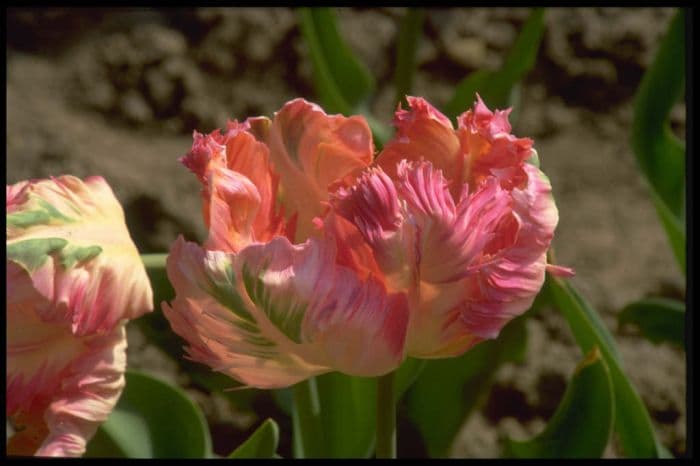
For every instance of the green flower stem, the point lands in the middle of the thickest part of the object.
(306, 420)
(154, 260)
(386, 417)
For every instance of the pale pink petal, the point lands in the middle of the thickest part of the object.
(86, 395)
(423, 133)
(70, 239)
(263, 316)
(313, 151)
(60, 387)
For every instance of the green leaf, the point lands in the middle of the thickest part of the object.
(409, 35)
(348, 414)
(660, 155)
(496, 87)
(407, 374)
(449, 389)
(284, 399)
(152, 419)
(632, 421)
(307, 428)
(343, 84)
(261, 444)
(583, 422)
(341, 80)
(658, 319)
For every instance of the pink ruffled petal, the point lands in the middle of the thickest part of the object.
(423, 133)
(506, 287)
(373, 207)
(239, 187)
(313, 151)
(265, 315)
(451, 239)
(490, 149)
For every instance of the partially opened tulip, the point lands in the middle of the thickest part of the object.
(74, 277)
(320, 258)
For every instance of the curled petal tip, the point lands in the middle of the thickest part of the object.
(561, 271)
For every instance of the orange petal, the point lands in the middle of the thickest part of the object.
(312, 151)
(423, 133)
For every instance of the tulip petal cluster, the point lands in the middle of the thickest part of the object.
(74, 277)
(321, 257)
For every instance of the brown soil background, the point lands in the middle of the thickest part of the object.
(117, 92)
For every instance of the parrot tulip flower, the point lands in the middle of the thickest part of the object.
(321, 258)
(74, 277)
(266, 301)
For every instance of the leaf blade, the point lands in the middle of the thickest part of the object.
(658, 319)
(261, 444)
(152, 419)
(583, 422)
(632, 420)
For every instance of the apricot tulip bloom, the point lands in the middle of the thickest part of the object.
(73, 279)
(320, 258)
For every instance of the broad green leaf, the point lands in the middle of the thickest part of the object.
(407, 46)
(632, 421)
(261, 444)
(660, 155)
(583, 422)
(348, 414)
(496, 87)
(152, 419)
(658, 319)
(448, 390)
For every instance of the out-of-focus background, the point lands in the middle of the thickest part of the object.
(118, 92)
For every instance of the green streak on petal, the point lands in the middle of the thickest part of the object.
(28, 218)
(247, 326)
(42, 216)
(259, 341)
(54, 212)
(225, 294)
(32, 253)
(71, 254)
(287, 319)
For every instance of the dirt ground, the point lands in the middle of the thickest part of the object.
(117, 92)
